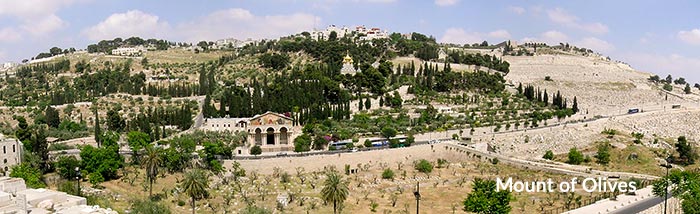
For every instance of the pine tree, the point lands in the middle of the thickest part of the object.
(574, 107)
(98, 131)
(368, 104)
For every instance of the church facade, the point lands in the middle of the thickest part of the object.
(273, 132)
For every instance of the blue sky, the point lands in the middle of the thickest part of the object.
(652, 36)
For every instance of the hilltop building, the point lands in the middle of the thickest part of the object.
(231, 43)
(271, 131)
(10, 155)
(363, 32)
(129, 51)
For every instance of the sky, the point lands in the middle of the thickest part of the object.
(652, 36)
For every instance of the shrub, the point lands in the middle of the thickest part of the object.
(388, 174)
(368, 144)
(668, 87)
(603, 154)
(575, 157)
(548, 78)
(549, 155)
(441, 163)
(424, 166)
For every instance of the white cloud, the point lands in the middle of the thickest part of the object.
(9, 35)
(499, 34)
(460, 36)
(553, 37)
(376, 1)
(691, 37)
(131, 23)
(44, 25)
(595, 44)
(37, 17)
(675, 64)
(241, 23)
(516, 10)
(443, 3)
(560, 16)
(32, 9)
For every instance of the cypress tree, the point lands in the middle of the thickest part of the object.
(98, 131)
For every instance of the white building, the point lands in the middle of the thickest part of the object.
(129, 51)
(363, 32)
(10, 155)
(8, 66)
(231, 42)
(271, 131)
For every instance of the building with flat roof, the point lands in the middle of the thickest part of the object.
(15, 197)
(129, 51)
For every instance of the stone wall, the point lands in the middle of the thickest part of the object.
(318, 162)
(674, 207)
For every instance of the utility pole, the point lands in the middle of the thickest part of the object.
(417, 194)
(667, 166)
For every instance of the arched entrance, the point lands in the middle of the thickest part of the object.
(258, 136)
(270, 136)
(283, 135)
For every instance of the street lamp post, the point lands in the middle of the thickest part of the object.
(77, 177)
(667, 166)
(417, 194)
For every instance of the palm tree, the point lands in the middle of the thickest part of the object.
(152, 162)
(335, 190)
(195, 184)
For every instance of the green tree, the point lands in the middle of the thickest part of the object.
(30, 175)
(152, 162)
(603, 154)
(196, 185)
(424, 166)
(485, 199)
(549, 155)
(575, 157)
(683, 184)
(105, 161)
(65, 166)
(115, 122)
(40, 147)
(388, 132)
(302, 143)
(140, 206)
(98, 130)
(687, 89)
(52, 118)
(335, 190)
(256, 150)
(137, 141)
(686, 153)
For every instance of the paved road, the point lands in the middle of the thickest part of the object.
(640, 206)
